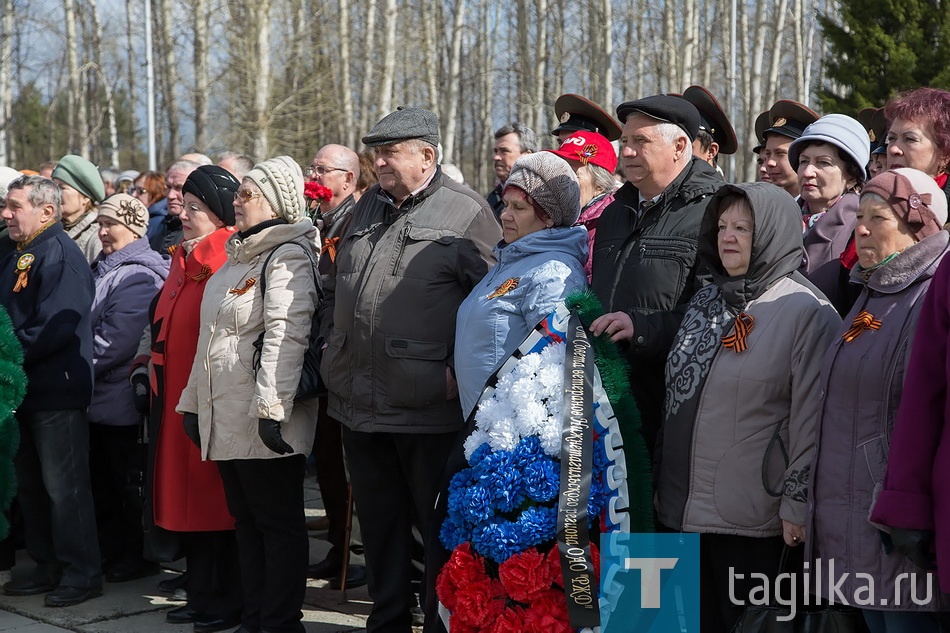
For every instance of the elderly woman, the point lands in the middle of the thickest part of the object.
(82, 188)
(593, 160)
(900, 243)
(540, 260)
(128, 274)
(830, 157)
(919, 133)
(187, 495)
(742, 395)
(150, 188)
(244, 417)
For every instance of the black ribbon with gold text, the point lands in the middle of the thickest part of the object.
(577, 447)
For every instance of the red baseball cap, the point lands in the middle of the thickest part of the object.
(588, 148)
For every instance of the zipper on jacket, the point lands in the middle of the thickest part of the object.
(401, 247)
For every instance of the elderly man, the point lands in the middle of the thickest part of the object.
(512, 141)
(48, 291)
(416, 246)
(645, 268)
(337, 168)
(166, 239)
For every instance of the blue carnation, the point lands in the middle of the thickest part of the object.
(536, 525)
(452, 534)
(477, 503)
(479, 454)
(527, 451)
(497, 541)
(541, 479)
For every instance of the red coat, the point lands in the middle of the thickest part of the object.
(187, 493)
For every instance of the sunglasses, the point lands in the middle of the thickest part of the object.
(246, 194)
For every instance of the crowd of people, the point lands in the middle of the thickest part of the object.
(787, 343)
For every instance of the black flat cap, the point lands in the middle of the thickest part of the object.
(215, 186)
(712, 119)
(761, 125)
(577, 114)
(789, 118)
(675, 110)
(402, 125)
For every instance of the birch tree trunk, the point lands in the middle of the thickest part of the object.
(202, 73)
(450, 123)
(167, 75)
(541, 65)
(385, 98)
(641, 53)
(688, 46)
(758, 56)
(368, 114)
(130, 66)
(113, 158)
(6, 84)
(349, 123)
(486, 93)
(798, 47)
(430, 53)
(261, 118)
(73, 95)
(668, 75)
(778, 47)
(606, 99)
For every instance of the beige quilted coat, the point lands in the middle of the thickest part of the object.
(222, 388)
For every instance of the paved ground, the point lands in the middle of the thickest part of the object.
(138, 606)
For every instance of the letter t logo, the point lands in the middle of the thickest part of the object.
(650, 569)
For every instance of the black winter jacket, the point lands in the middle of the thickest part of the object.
(648, 269)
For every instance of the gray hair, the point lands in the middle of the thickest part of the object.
(43, 191)
(416, 145)
(183, 165)
(603, 180)
(527, 137)
(669, 132)
(242, 162)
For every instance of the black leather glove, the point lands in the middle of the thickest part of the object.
(140, 392)
(916, 546)
(190, 423)
(269, 430)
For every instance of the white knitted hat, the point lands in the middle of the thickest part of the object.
(549, 180)
(281, 182)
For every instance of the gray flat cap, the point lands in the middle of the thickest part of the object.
(402, 125)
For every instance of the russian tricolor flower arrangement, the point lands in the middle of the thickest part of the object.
(548, 460)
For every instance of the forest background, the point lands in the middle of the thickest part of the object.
(268, 77)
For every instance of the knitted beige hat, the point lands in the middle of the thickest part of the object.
(549, 181)
(126, 210)
(281, 182)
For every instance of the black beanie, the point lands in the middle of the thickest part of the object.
(215, 186)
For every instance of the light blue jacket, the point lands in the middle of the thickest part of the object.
(532, 275)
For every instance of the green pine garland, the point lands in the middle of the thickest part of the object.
(615, 375)
(12, 391)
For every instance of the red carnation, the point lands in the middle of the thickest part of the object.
(316, 191)
(479, 603)
(548, 614)
(511, 620)
(525, 576)
(458, 626)
(464, 568)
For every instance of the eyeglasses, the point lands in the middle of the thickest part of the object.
(246, 194)
(320, 170)
(137, 190)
